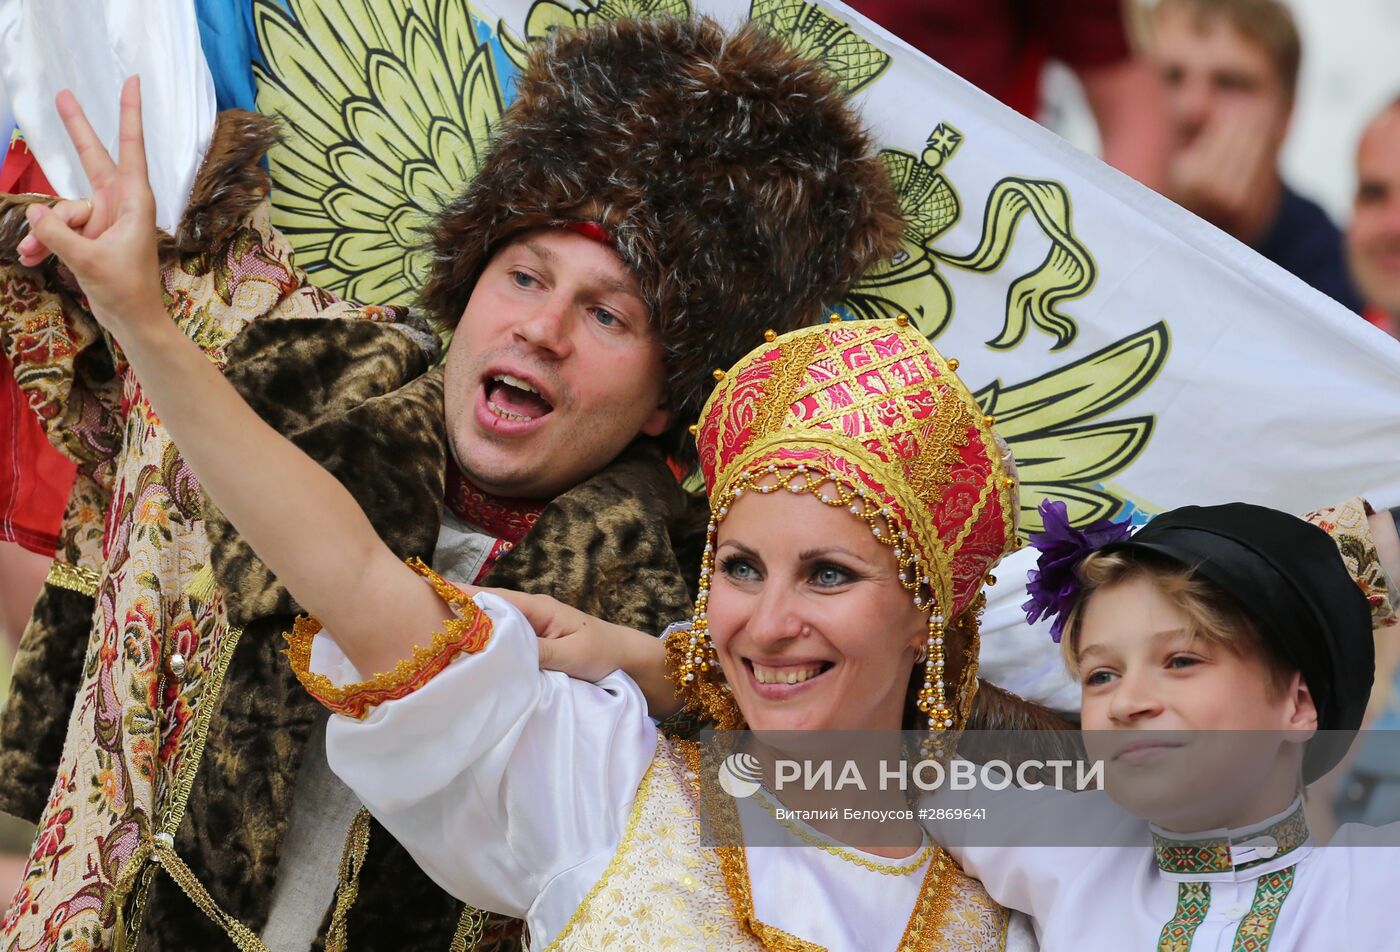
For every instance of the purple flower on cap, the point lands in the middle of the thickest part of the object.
(1054, 584)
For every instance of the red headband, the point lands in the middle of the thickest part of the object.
(590, 230)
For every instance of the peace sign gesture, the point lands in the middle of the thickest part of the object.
(108, 241)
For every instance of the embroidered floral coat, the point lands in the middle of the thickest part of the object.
(154, 730)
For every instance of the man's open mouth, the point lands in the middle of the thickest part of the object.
(515, 399)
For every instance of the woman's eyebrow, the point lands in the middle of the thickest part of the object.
(808, 555)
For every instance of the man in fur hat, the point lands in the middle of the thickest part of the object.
(657, 196)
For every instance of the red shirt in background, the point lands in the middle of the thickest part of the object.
(1382, 319)
(35, 479)
(1001, 46)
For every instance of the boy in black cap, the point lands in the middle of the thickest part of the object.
(1225, 655)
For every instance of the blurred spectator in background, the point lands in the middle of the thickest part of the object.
(21, 575)
(1002, 47)
(1373, 237)
(1230, 68)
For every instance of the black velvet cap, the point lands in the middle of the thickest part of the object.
(1290, 579)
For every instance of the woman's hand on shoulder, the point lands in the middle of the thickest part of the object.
(589, 649)
(573, 641)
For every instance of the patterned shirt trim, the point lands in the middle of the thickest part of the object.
(1218, 854)
(1256, 929)
(1192, 903)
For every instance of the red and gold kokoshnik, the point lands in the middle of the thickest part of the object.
(868, 416)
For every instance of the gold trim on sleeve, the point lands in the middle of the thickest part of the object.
(74, 578)
(468, 633)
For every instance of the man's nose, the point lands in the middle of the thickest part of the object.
(550, 327)
(1190, 104)
(1390, 214)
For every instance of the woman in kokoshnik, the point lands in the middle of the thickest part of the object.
(859, 500)
(819, 609)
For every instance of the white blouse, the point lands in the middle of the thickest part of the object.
(1115, 895)
(512, 788)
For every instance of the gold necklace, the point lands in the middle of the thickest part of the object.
(812, 838)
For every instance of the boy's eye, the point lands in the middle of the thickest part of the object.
(1096, 678)
(1182, 661)
(739, 569)
(828, 575)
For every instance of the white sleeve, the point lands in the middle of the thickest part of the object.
(1016, 655)
(497, 776)
(90, 47)
(1021, 843)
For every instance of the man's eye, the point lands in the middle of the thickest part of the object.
(606, 318)
(1236, 83)
(1369, 193)
(523, 280)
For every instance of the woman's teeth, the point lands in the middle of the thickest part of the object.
(766, 675)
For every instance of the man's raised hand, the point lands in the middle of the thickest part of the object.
(109, 240)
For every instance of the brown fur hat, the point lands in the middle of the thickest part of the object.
(729, 171)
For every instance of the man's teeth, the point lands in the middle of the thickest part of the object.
(765, 675)
(501, 411)
(517, 383)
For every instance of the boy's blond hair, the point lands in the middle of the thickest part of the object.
(1211, 614)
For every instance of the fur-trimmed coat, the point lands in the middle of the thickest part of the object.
(153, 775)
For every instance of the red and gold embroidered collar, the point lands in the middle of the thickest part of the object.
(508, 520)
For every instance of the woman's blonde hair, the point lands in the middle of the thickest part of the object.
(1211, 614)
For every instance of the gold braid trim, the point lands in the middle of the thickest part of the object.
(471, 926)
(468, 633)
(161, 852)
(75, 578)
(348, 889)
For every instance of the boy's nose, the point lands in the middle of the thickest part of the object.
(1134, 700)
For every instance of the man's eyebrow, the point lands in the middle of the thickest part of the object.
(613, 284)
(540, 251)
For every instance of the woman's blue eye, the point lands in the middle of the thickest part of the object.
(739, 569)
(830, 575)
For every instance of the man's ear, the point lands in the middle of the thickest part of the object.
(660, 420)
(1302, 711)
